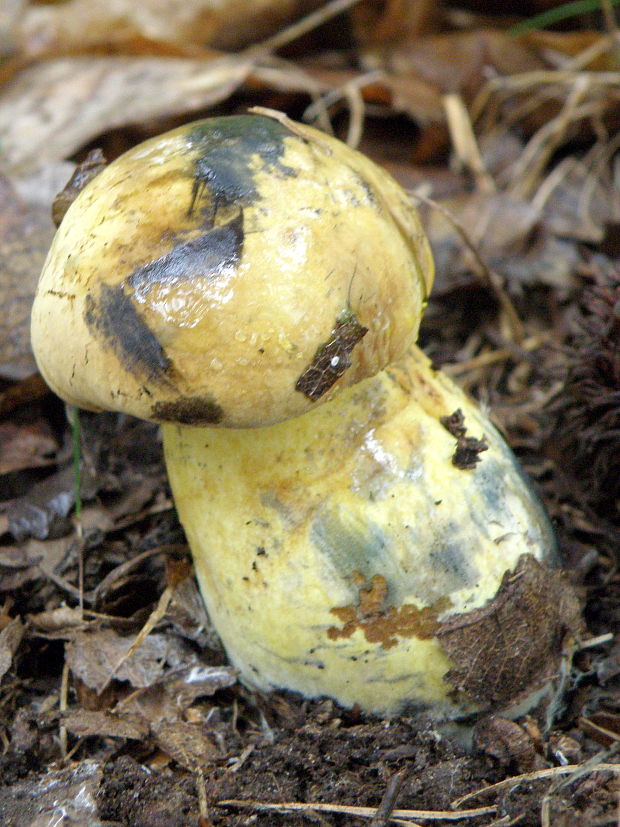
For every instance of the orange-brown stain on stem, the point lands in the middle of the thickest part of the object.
(382, 623)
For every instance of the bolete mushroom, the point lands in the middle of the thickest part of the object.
(256, 287)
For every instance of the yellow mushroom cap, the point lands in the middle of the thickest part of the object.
(235, 271)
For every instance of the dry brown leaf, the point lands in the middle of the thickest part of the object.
(52, 108)
(31, 561)
(188, 744)
(84, 723)
(420, 73)
(513, 645)
(93, 655)
(576, 202)
(188, 615)
(25, 236)
(10, 638)
(88, 25)
(508, 743)
(497, 225)
(26, 445)
(509, 234)
(461, 61)
(22, 393)
(198, 680)
(44, 509)
(166, 701)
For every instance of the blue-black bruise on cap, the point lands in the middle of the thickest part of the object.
(221, 184)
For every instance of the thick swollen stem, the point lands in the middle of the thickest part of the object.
(329, 548)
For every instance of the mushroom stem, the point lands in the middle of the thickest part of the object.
(329, 548)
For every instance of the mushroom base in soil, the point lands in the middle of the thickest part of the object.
(256, 287)
(329, 548)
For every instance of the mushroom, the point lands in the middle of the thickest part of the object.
(256, 287)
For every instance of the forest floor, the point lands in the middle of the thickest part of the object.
(509, 144)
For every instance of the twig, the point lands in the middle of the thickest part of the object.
(277, 73)
(591, 642)
(300, 28)
(134, 562)
(611, 24)
(536, 775)
(586, 768)
(489, 277)
(535, 157)
(589, 727)
(317, 111)
(382, 817)
(62, 707)
(240, 761)
(492, 357)
(464, 141)
(203, 809)
(156, 615)
(361, 812)
(547, 77)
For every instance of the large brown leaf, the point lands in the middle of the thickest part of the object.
(25, 235)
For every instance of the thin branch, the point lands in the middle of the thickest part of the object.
(385, 809)
(360, 812)
(300, 28)
(537, 775)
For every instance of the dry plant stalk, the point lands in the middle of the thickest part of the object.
(359, 812)
(488, 277)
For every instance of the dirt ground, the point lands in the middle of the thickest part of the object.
(523, 214)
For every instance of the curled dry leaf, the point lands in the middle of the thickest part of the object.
(196, 681)
(515, 640)
(168, 697)
(188, 615)
(161, 708)
(10, 638)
